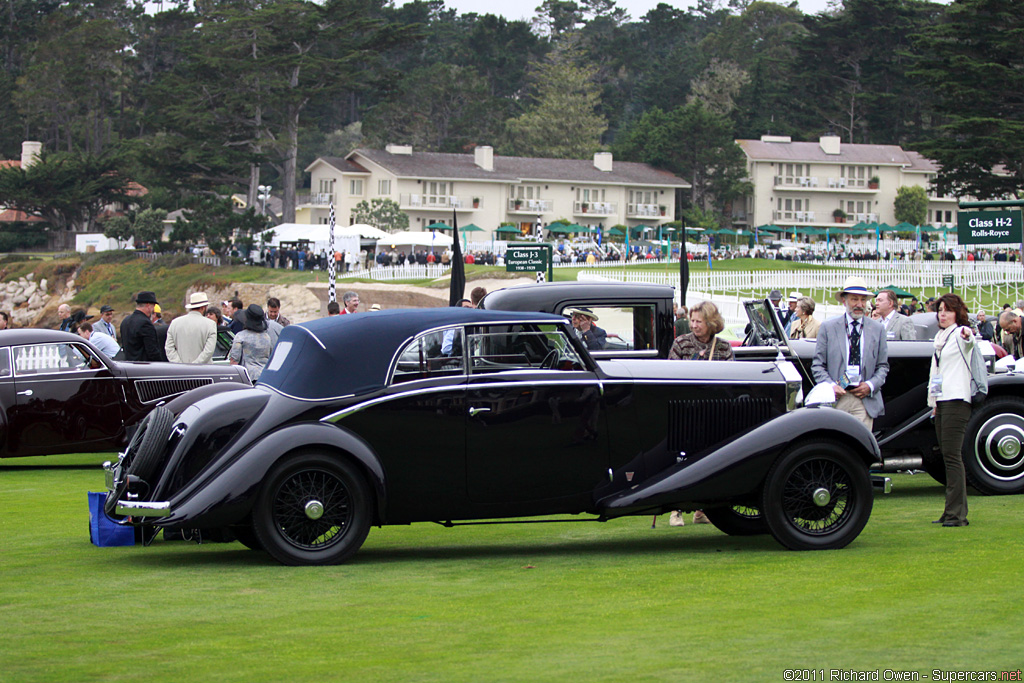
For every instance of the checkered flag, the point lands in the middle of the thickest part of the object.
(332, 294)
(540, 277)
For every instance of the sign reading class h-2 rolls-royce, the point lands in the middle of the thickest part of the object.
(988, 227)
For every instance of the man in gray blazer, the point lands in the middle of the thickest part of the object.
(851, 354)
(898, 327)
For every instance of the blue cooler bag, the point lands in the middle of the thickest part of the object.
(104, 531)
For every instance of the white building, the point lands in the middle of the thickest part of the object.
(805, 183)
(487, 190)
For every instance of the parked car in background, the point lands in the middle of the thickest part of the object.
(517, 420)
(59, 394)
(640, 315)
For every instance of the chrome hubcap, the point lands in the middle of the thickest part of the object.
(1009, 447)
(314, 509)
(821, 497)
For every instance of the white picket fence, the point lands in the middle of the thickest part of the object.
(416, 272)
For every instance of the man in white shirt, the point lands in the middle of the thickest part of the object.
(107, 346)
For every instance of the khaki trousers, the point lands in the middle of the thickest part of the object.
(848, 403)
(950, 424)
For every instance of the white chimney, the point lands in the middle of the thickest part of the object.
(484, 157)
(399, 149)
(603, 161)
(829, 144)
(29, 153)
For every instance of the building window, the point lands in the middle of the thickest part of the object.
(355, 187)
(383, 187)
(327, 186)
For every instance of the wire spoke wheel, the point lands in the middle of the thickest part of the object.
(313, 509)
(312, 490)
(817, 496)
(738, 520)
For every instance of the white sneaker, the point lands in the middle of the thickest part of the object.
(676, 519)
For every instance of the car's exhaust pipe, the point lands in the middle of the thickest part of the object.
(900, 463)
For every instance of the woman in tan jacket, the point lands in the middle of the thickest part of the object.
(806, 326)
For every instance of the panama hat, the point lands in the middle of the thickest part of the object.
(854, 285)
(197, 300)
(582, 310)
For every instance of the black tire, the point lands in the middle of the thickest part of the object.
(150, 441)
(817, 496)
(993, 447)
(288, 530)
(738, 520)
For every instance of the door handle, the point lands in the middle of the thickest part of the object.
(27, 392)
(473, 412)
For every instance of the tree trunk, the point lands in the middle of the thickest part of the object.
(291, 153)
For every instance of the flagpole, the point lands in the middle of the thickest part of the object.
(332, 293)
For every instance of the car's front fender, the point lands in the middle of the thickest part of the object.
(228, 495)
(738, 467)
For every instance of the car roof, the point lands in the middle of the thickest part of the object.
(345, 355)
(544, 296)
(35, 336)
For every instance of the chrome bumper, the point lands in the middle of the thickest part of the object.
(880, 482)
(129, 507)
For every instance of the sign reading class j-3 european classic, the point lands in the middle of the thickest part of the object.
(989, 227)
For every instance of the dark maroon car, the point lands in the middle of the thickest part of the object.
(59, 394)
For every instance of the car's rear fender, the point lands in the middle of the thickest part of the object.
(738, 468)
(228, 496)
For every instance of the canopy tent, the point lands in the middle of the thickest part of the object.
(411, 239)
(864, 226)
(561, 228)
(771, 227)
(900, 293)
(615, 232)
(509, 229)
(471, 228)
(318, 235)
(883, 227)
(905, 227)
(362, 230)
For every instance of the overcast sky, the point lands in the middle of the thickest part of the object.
(523, 9)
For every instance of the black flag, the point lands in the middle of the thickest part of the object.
(458, 287)
(684, 271)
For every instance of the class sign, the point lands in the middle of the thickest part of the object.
(988, 227)
(526, 259)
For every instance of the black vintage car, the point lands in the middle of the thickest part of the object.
(455, 414)
(59, 394)
(640, 317)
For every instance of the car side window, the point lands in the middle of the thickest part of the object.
(435, 354)
(521, 347)
(5, 363)
(38, 359)
(628, 328)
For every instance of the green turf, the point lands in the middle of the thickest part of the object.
(547, 602)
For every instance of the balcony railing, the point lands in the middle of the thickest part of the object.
(534, 206)
(595, 208)
(862, 217)
(793, 216)
(644, 210)
(439, 201)
(816, 183)
(317, 199)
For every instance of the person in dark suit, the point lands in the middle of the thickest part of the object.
(851, 354)
(138, 336)
(583, 320)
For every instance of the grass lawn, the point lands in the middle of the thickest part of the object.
(595, 602)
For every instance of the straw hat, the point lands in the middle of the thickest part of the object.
(854, 285)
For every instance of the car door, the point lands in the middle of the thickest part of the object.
(67, 400)
(535, 431)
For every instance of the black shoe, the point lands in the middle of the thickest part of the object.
(955, 523)
(938, 521)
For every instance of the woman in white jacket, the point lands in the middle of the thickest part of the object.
(949, 395)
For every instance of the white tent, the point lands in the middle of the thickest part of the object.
(318, 234)
(400, 240)
(362, 230)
